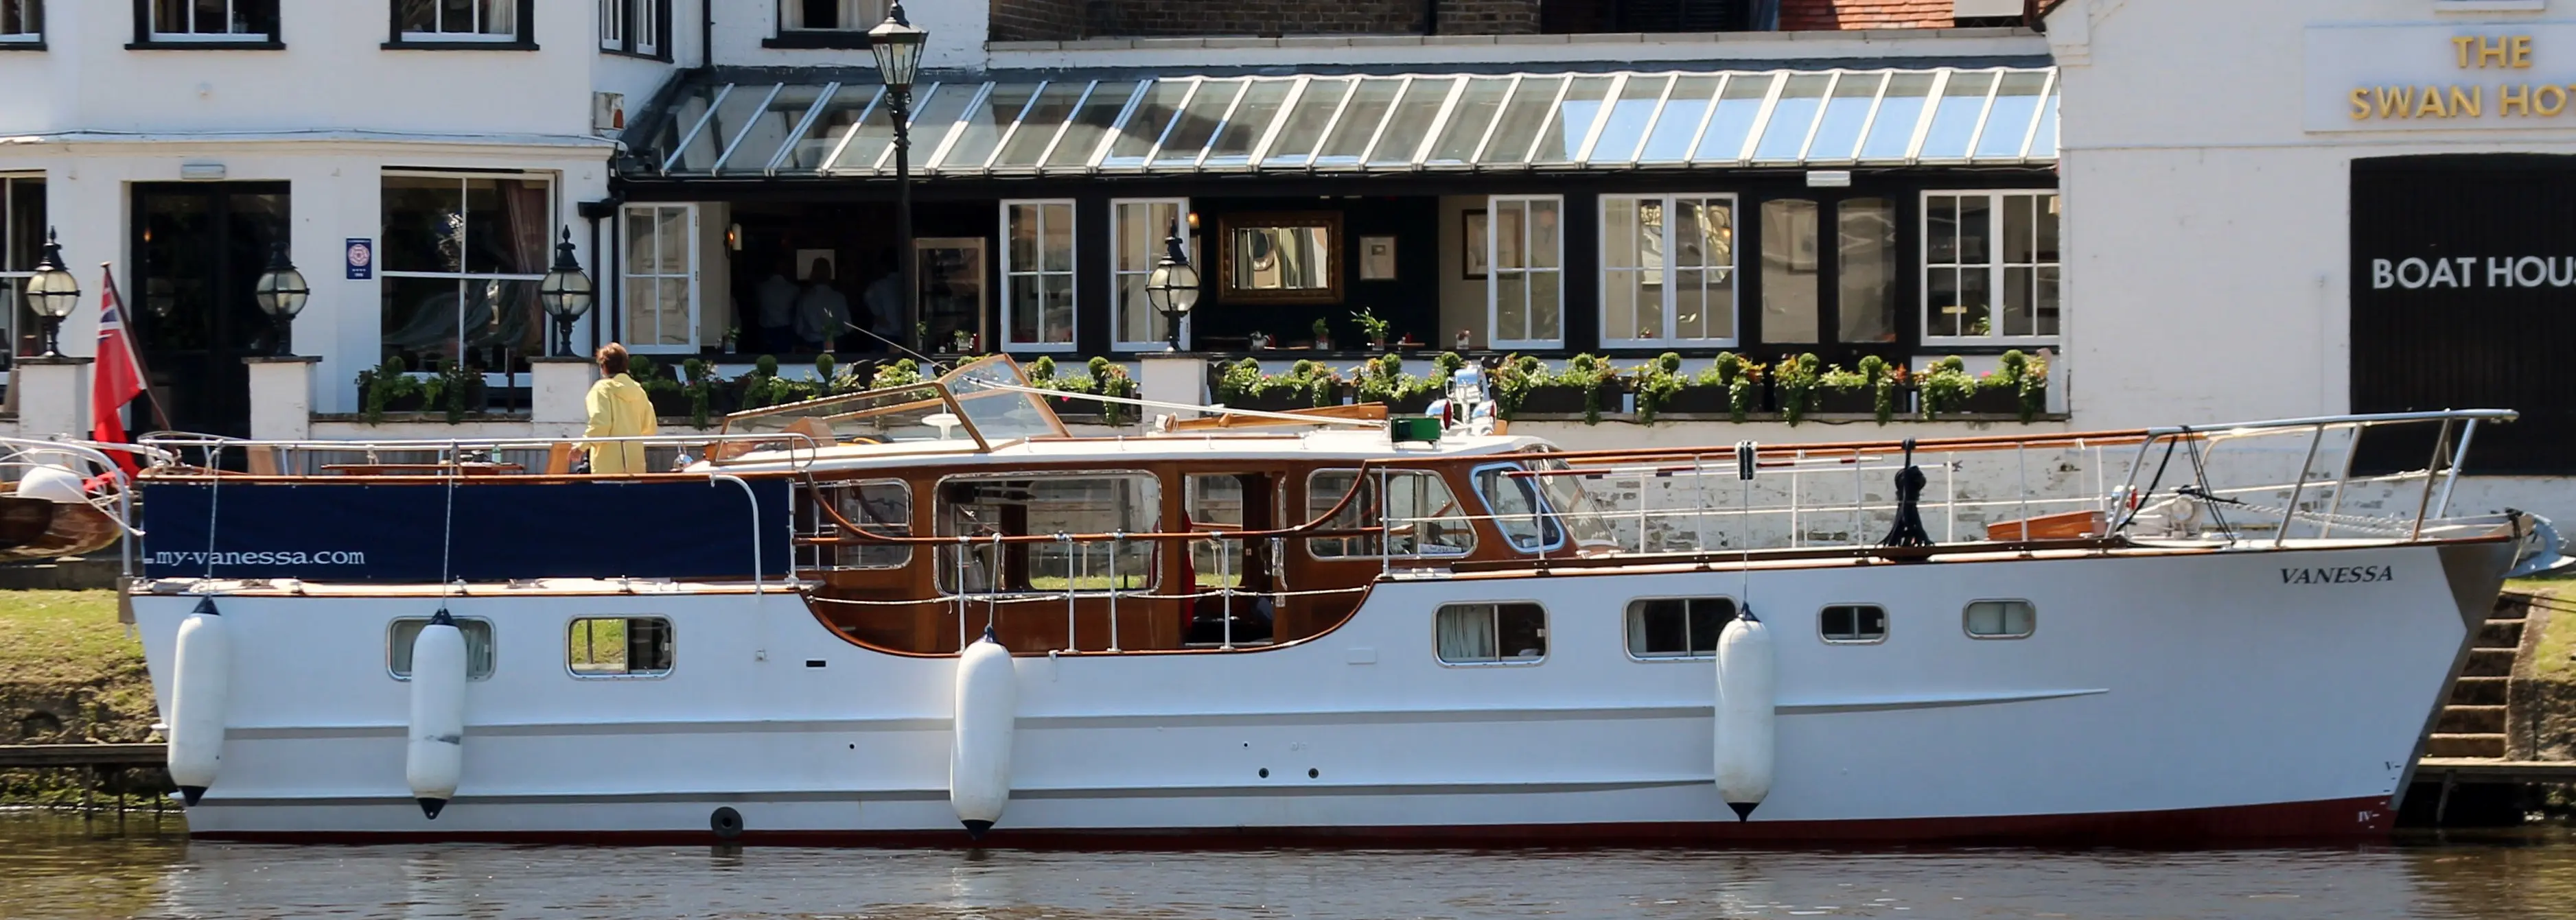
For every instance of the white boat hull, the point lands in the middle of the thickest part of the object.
(2192, 694)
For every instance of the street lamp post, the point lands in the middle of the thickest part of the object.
(52, 293)
(281, 293)
(898, 45)
(566, 293)
(1173, 287)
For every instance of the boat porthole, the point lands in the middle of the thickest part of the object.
(1265, 773)
(726, 822)
(1312, 773)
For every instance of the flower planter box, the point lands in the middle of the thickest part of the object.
(1410, 405)
(1847, 402)
(669, 403)
(410, 402)
(1281, 401)
(1996, 401)
(1565, 400)
(1695, 400)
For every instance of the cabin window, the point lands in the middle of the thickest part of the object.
(1853, 623)
(405, 631)
(2002, 619)
(1426, 518)
(879, 506)
(1223, 503)
(620, 647)
(1046, 506)
(1512, 633)
(1677, 627)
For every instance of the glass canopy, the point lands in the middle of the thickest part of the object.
(1377, 123)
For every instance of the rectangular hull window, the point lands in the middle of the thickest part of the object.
(1854, 623)
(406, 631)
(1677, 627)
(620, 647)
(2001, 619)
(1513, 633)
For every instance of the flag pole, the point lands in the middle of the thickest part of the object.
(151, 394)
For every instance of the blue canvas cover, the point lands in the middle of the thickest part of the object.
(374, 532)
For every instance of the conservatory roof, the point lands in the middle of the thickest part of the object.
(1183, 125)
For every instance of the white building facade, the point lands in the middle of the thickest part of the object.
(2311, 207)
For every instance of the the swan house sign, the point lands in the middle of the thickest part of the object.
(2441, 77)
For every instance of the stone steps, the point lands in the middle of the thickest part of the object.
(2472, 720)
(2440, 744)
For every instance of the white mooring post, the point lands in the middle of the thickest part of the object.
(1173, 378)
(281, 397)
(53, 396)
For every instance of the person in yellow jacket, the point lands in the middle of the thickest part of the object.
(618, 409)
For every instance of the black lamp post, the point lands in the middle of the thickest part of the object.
(898, 47)
(52, 293)
(1173, 287)
(566, 293)
(281, 293)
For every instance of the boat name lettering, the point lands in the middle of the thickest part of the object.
(2339, 575)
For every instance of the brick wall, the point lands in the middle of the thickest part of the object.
(1811, 15)
(1058, 20)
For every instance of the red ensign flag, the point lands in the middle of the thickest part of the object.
(119, 375)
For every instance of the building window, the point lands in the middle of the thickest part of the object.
(1037, 275)
(1524, 281)
(826, 23)
(468, 21)
(461, 258)
(1677, 627)
(2001, 619)
(660, 273)
(222, 21)
(406, 631)
(1853, 623)
(620, 647)
(1140, 226)
(1990, 266)
(1491, 633)
(1668, 270)
(633, 26)
(1790, 271)
(22, 240)
(1044, 506)
(22, 21)
(879, 506)
(1865, 275)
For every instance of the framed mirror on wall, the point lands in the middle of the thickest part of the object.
(1280, 258)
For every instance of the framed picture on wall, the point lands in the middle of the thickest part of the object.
(1471, 253)
(1377, 258)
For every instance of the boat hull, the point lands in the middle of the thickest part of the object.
(2162, 696)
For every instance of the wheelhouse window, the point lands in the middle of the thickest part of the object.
(1853, 623)
(1070, 505)
(1537, 502)
(22, 240)
(1990, 267)
(620, 647)
(222, 21)
(1037, 275)
(1141, 227)
(2002, 619)
(1421, 515)
(405, 632)
(1525, 275)
(461, 258)
(1677, 627)
(879, 506)
(1511, 633)
(1668, 270)
(660, 273)
(477, 21)
(633, 26)
(22, 21)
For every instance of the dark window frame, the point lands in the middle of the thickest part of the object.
(143, 40)
(660, 11)
(526, 40)
(782, 37)
(37, 42)
(1855, 631)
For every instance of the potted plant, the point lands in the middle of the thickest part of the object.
(670, 400)
(1888, 387)
(1585, 385)
(2018, 386)
(1323, 335)
(1242, 385)
(1846, 392)
(1371, 328)
(1383, 380)
(1795, 382)
(1662, 388)
(387, 387)
(1740, 379)
(1101, 376)
(1945, 387)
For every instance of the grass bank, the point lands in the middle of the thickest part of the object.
(68, 675)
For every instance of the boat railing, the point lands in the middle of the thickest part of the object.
(2320, 491)
(181, 455)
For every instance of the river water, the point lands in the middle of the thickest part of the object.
(60, 866)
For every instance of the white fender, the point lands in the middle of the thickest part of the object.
(979, 761)
(52, 483)
(1747, 689)
(200, 685)
(436, 758)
